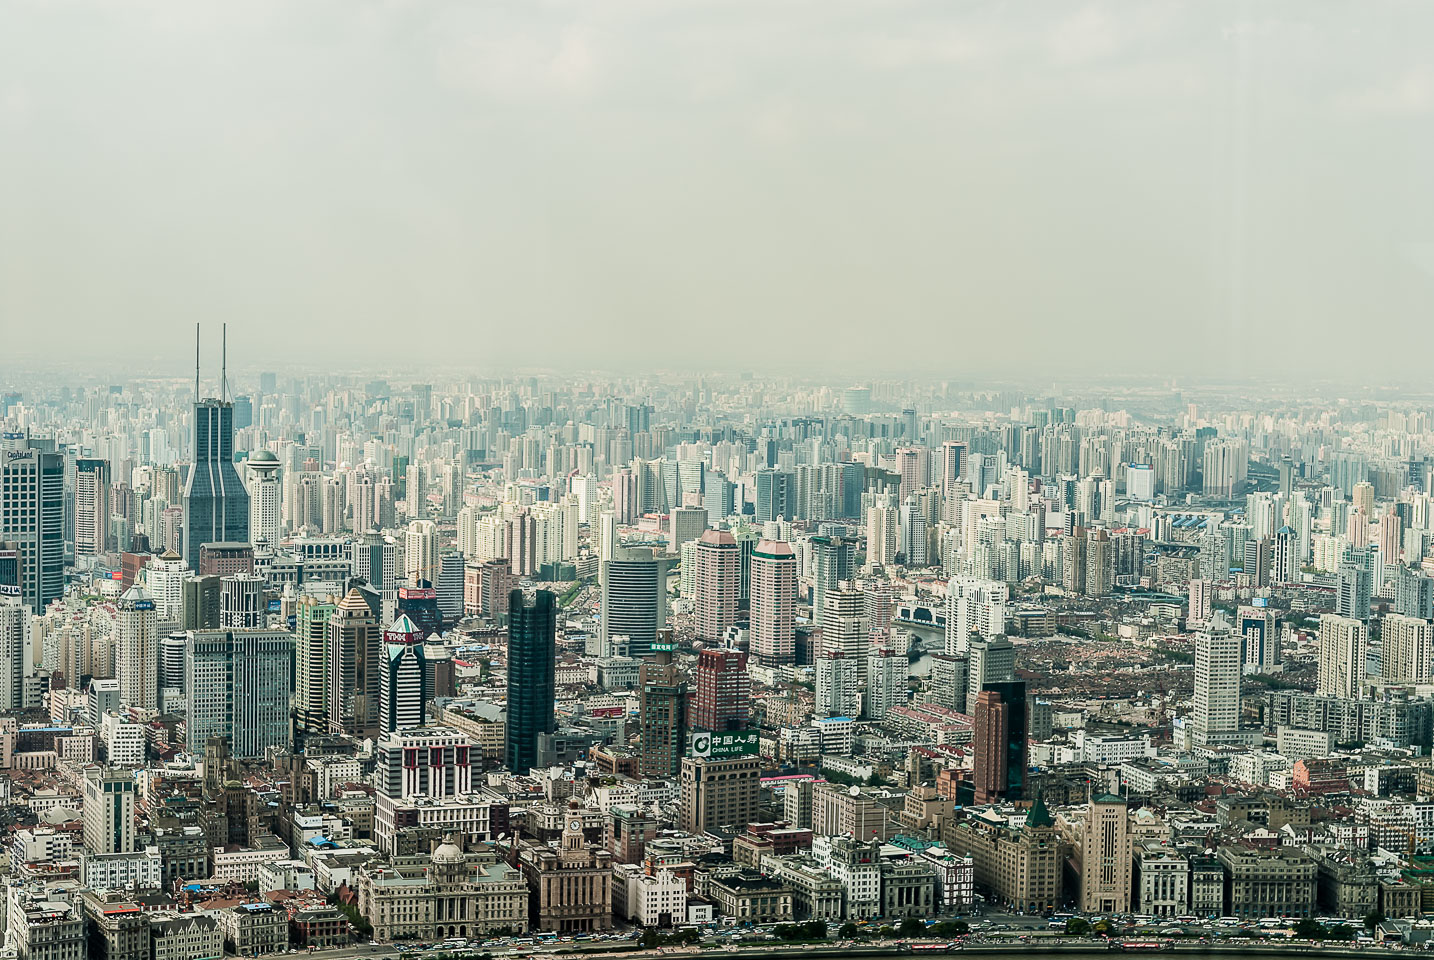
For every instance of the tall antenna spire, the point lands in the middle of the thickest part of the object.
(196, 363)
(224, 361)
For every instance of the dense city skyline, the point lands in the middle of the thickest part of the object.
(799, 479)
(610, 656)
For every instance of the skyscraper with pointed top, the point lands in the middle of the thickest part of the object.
(353, 644)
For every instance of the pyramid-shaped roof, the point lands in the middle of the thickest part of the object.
(403, 625)
(1039, 815)
(135, 594)
(354, 601)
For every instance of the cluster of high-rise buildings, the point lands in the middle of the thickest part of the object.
(569, 653)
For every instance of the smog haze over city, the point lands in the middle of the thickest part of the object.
(1227, 188)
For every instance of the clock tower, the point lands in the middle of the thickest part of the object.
(574, 843)
(571, 881)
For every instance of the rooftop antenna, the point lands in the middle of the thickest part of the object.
(196, 363)
(224, 361)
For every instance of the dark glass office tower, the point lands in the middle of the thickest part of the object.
(532, 655)
(216, 505)
(1001, 754)
(853, 485)
(663, 713)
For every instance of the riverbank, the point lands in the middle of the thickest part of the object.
(1076, 949)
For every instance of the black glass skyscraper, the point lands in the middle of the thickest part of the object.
(216, 505)
(1013, 697)
(532, 655)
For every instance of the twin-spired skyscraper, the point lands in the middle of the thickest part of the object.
(216, 505)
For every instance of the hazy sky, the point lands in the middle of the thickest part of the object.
(950, 186)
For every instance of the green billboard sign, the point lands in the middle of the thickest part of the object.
(723, 746)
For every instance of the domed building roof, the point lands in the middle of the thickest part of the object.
(448, 852)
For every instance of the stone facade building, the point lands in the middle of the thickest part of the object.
(752, 898)
(255, 929)
(1268, 883)
(1019, 866)
(1162, 882)
(570, 886)
(1106, 856)
(185, 936)
(908, 889)
(446, 894)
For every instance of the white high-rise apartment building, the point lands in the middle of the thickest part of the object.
(687, 584)
(556, 531)
(420, 552)
(1218, 668)
(838, 686)
(415, 492)
(266, 499)
(480, 538)
(885, 682)
(974, 605)
(1018, 489)
(1202, 600)
(164, 579)
(1408, 650)
(844, 626)
(1328, 551)
(882, 526)
(92, 506)
(363, 500)
(137, 649)
(465, 530)
(1343, 648)
(913, 533)
(14, 619)
(1226, 463)
(585, 489)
